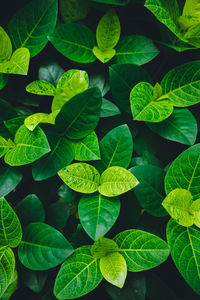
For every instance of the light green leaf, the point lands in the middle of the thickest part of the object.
(108, 109)
(5, 46)
(18, 63)
(43, 247)
(114, 269)
(81, 177)
(32, 23)
(135, 49)
(116, 181)
(195, 211)
(177, 204)
(108, 31)
(73, 10)
(103, 247)
(10, 227)
(79, 275)
(192, 35)
(104, 55)
(145, 107)
(30, 146)
(9, 179)
(11, 288)
(4, 146)
(32, 121)
(184, 246)
(141, 250)
(87, 149)
(184, 172)
(41, 87)
(190, 15)
(7, 268)
(98, 214)
(74, 41)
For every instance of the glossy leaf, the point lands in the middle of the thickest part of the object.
(79, 275)
(41, 87)
(7, 268)
(9, 179)
(18, 63)
(108, 109)
(6, 46)
(43, 247)
(50, 72)
(141, 250)
(87, 149)
(98, 214)
(73, 10)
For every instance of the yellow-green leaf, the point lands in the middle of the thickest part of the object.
(18, 63)
(5, 46)
(41, 87)
(104, 55)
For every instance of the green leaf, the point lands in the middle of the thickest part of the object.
(6, 46)
(10, 227)
(3, 80)
(98, 214)
(195, 211)
(7, 268)
(80, 115)
(11, 288)
(103, 247)
(184, 172)
(4, 146)
(113, 2)
(9, 179)
(192, 36)
(122, 79)
(177, 204)
(114, 269)
(87, 149)
(74, 41)
(81, 177)
(104, 55)
(79, 275)
(108, 109)
(116, 148)
(30, 146)
(50, 72)
(180, 127)
(43, 247)
(18, 63)
(34, 280)
(14, 124)
(116, 181)
(145, 107)
(135, 49)
(150, 192)
(32, 23)
(41, 87)
(183, 243)
(32, 121)
(58, 214)
(141, 250)
(108, 31)
(73, 10)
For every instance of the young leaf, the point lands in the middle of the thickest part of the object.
(98, 214)
(41, 87)
(43, 247)
(7, 268)
(103, 247)
(141, 250)
(81, 177)
(30, 146)
(116, 181)
(9, 179)
(73, 10)
(78, 275)
(145, 108)
(74, 41)
(177, 204)
(108, 109)
(32, 23)
(114, 269)
(18, 63)
(6, 46)
(135, 49)
(32, 121)
(10, 227)
(4, 146)
(104, 55)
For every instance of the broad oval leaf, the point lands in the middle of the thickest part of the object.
(43, 247)
(7, 268)
(6, 46)
(87, 149)
(78, 275)
(31, 25)
(29, 146)
(41, 87)
(184, 246)
(141, 250)
(9, 179)
(18, 63)
(81, 177)
(116, 181)
(98, 214)
(74, 41)
(114, 269)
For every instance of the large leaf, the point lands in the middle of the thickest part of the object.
(10, 227)
(184, 246)
(18, 63)
(116, 181)
(87, 149)
(184, 172)
(30, 146)
(7, 268)
(6, 46)
(135, 49)
(9, 179)
(98, 214)
(74, 41)
(180, 127)
(141, 250)
(43, 247)
(81, 177)
(79, 275)
(32, 23)
(73, 10)
(116, 148)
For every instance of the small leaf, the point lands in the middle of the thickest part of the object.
(4, 146)
(87, 149)
(32, 121)
(108, 109)
(41, 87)
(9, 179)
(116, 181)
(73, 10)
(6, 46)
(195, 211)
(114, 269)
(104, 55)
(50, 72)
(7, 268)
(18, 63)
(103, 247)
(81, 177)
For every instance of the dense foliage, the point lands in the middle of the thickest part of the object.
(100, 169)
